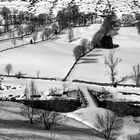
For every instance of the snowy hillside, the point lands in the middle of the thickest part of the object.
(98, 6)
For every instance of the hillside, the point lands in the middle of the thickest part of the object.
(98, 6)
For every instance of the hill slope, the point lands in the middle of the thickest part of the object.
(120, 6)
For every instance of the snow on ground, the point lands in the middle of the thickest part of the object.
(86, 115)
(52, 58)
(92, 68)
(14, 126)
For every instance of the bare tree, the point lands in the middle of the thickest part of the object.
(111, 61)
(70, 34)
(55, 28)
(38, 73)
(109, 124)
(50, 118)
(136, 75)
(34, 36)
(13, 39)
(28, 110)
(20, 31)
(47, 32)
(42, 36)
(8, 69)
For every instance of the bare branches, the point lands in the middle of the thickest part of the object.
(136, 75)
(8, 68)
(28, 111)
(50, 118)
(111, 61)
(110, 125)
(70, 34)
(34, 36)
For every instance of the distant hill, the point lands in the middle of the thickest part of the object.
(98, 6)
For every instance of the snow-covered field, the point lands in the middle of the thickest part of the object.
(92, 68)
(54, 58)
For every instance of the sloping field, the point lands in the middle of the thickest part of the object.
(14, 126)
(52, 58)
(92, 68)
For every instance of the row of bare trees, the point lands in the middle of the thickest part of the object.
(49, 118)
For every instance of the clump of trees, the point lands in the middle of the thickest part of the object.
(16, 18)
(102, 38)
(71, 15)
(127, 20)
(49, 118)
(109, 124)
(34, 36)
(67, 16)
